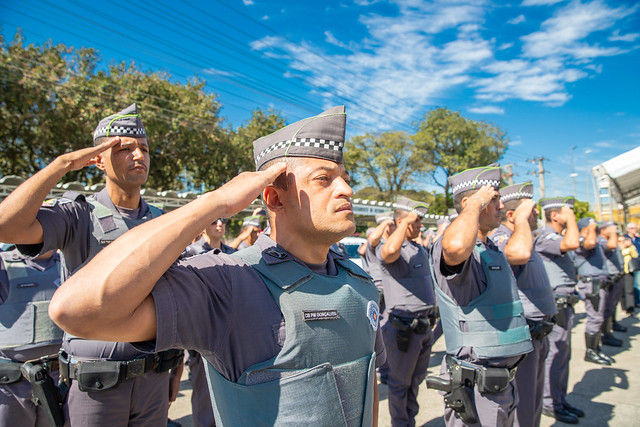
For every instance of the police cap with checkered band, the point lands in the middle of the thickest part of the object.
(124, 123)
(321, 137)
(474, 179)
(557, 202)
(405, 204)
(516, 192)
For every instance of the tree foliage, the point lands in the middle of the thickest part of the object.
(388, 161)
(52, 98)
(452, 143)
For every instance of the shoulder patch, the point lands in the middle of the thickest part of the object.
(553, 236)
(499, 239)
(49, 203)
(372, 314)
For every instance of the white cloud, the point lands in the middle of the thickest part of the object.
(215, 72)
(488, 109)
(248, 2)
(409, 62)
(265, 18)
(605, 144)
(617, 37)
(540, 2)
(517, 20)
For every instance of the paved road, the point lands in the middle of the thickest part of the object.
(610, 395)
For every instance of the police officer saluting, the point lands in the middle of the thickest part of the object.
(410, 302)
(593, 279)
(482, 318)
(514, 237)
(27, 334)
(111, 383)
(608, 241)
(553, 246)
(288, 328)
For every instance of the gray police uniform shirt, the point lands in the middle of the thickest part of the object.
(374, 264)
(463, 283)
(67, 225)
(531, 272)
(413, 261)
(612, 262)
(547, 244)
(219, 306)
(31, 353)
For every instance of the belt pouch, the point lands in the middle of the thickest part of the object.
(422, 325)
(492, 380)
(10, 373)
(96, 376)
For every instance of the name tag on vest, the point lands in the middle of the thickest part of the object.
(495, 267)
(27, 285)
(417, 266)
(105, 242)
(320, 315)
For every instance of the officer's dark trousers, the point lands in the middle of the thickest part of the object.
(16, 407)
(595, 318)
(407, 371)
(611, 298)
(530, 384)
(142, 401)
(201, 408)
(556, 374)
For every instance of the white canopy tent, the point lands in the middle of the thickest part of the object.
(618, 180)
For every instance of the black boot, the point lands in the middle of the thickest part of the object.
(617, 326)
(607, 336)
(592, 342)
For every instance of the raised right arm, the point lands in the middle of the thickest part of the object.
(18, 223)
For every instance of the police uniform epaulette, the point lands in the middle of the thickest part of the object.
(67, 197)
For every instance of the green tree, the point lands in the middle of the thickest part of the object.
(451, 144)
(388, 161)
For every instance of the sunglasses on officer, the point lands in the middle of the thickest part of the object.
(222, 220)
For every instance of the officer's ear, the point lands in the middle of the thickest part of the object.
(98, 161)
(272, 198)
(510, 216)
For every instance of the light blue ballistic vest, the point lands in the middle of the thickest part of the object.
(536, 295)
(24, 316)
(495, 322)
(106, 227)
(593, 265)
(109, 225)
(325, 372)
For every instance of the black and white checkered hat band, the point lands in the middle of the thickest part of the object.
(513, 196)
(119, 131)
(302, 142)
(476, 183)
(556, 205)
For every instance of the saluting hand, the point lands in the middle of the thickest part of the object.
(524, 210)
(78, 159)
(238, 193)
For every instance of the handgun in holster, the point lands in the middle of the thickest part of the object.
(459, 391)
(45, 393)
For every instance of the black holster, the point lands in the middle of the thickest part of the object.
(44, 392)
(406, 327)
(539, 328)
(458, 390)
(595, 300)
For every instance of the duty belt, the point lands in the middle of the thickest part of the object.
(567, 300)
(417, 325)
(106, 374)
(599, 283)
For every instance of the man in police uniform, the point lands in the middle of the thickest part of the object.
(26, 331)
(553, 247)
(288, 328)
(614, 264)
(409, 299)
(100, 393)
(514, 238)
(248, 234)
(593, 278)
(211, 240)
(484, 326)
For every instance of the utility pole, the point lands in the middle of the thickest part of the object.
(508, 176)
(588, 176)
(540, 173)
(573, 174)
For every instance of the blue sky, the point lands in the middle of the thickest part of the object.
(553, 74)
